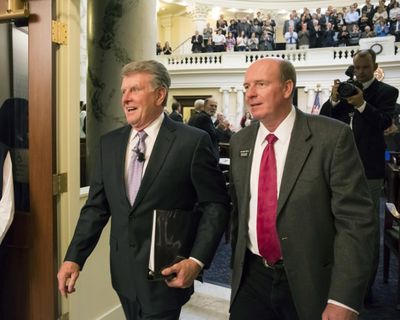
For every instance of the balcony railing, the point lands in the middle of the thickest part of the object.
(323, 57)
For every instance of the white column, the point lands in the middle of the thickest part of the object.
(166, 24)
(239, 106)
(199, 13)
(324, 95)
(225, 101)
(311, 92)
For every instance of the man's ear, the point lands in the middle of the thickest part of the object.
(161, 95)
(287, 89)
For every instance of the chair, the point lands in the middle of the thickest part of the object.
(391, 244)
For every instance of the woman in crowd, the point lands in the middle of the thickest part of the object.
(253, 42)
(230, 42)
(207, 33)
(167, 49)
(241, 42)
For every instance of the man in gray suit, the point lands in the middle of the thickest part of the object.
(303, 221)
(178, 170)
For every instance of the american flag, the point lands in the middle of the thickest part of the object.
(317, 105)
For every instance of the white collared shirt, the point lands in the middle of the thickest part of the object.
(7, 199)
(283, 133)
(152, 133)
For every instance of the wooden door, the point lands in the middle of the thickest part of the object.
(28, 288)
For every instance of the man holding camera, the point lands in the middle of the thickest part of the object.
(369, 112)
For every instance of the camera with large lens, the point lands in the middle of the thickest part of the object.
(349, 87)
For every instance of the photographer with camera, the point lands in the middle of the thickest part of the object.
(367, 105)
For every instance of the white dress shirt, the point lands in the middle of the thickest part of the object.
(7, 199)
(283, 133)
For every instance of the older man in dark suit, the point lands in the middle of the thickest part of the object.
(152, 163)
(302, 215)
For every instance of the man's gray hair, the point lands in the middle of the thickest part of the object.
(199, 104)
(160, 74)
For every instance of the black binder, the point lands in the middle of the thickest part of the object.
(173, 234)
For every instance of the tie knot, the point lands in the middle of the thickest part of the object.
(271, 138)
(142, 135)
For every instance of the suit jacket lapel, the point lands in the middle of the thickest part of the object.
(120, 154)
(247, 145)
(298, 152)
(163, 143)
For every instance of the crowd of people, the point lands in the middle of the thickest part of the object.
(334, 27)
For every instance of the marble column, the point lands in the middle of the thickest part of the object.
(225, 101)
(199, 13)
(240, 109)
(115, 37)
(311, 92)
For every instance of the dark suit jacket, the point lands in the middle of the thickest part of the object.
(325, 217)
(197, 46)
(369, 125)
(176, 116)
(202, 120)
(182, 171)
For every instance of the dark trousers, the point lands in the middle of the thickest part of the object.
(264, 293)
(133, 311)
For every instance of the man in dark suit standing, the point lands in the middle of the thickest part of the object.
(368, 113)
(197, 42)
(137, 168)
(302, 215)
(176, 112)
(204, 122)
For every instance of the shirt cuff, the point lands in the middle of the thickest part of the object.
(342, 305)
(201, 264)
(362, 107)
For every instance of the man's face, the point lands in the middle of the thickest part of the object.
(267, 97)
(211, 107)
(141, 102)
(364, 68)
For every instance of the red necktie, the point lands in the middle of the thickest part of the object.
(267, 236)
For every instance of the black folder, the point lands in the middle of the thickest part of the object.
(173, 234)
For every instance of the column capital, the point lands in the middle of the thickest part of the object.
(225, 89)
(198, 10)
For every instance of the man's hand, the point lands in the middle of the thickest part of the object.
(186, 272)
(67, 276)
(334, 312)
(357, 100)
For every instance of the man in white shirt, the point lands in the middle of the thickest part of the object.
(302, 216)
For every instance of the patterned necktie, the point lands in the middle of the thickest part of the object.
(135, 169)
(267, 236)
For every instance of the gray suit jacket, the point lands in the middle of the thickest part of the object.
(325, 217)
(182, 171)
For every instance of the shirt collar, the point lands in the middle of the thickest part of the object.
(283, 131)
(368, 83)
(152, 129)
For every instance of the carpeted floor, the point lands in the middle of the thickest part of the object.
(384, 295)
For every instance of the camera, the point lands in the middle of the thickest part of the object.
(349, 87)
